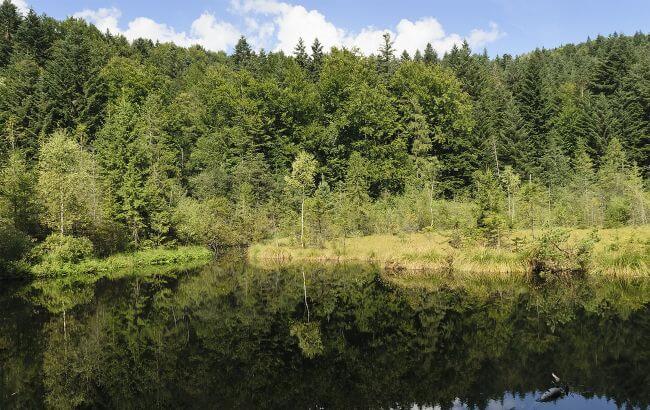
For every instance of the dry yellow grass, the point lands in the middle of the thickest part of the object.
(619, 252)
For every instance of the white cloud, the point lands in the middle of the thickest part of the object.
(104, 19)
(278, 26)
(479, 38)
(213, 34)
(21, 5)
(292, 22)
(206, 30)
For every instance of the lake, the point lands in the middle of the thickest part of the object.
(231, 335)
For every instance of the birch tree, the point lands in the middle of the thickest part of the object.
(301, 183)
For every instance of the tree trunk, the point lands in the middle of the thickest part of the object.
(304, 287)
(302, 223)
(61, 211)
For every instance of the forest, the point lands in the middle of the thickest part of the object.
(109, 146)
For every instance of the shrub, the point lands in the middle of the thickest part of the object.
(59, 248)
(554, 255)
(209, 222)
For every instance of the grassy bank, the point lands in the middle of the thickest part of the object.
(124, 263)
(619, 252)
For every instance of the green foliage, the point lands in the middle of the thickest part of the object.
(309, 338)
(57, 249)
(490, 199)
(552, 255)
(14, 244)
(104, 139)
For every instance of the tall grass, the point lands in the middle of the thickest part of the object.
(621, 252)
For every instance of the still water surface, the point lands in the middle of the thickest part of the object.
(230, 335)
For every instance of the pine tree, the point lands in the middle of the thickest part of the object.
(316, 58)
(604, 126)
(490, 199)
(405, 56)
(69, 81)
(18, 198)
(9, 22)
(418, 56)
(386, 57)
(300, 54)
(243, 53)
(612, 171)
(35, 36)
(534, 108)
(638, 196)
(611, 67)
(468, 68)
(582, 183)
(19, 106)
(430, 55)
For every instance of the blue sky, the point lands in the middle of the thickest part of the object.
(500, 26)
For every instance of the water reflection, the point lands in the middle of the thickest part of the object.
(235, 336)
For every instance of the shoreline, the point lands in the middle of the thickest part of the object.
(623, 252)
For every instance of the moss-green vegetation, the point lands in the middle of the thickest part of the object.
(616, 252)
(123, 264)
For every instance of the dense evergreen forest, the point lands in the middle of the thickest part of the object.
(110, 146)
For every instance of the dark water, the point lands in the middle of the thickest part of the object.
(232, 336)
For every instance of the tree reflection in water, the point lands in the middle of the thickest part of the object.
(231, 335)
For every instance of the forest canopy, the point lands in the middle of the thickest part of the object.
(132, 145)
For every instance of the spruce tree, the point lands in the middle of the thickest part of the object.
(35, 36)
(386, 57)
(19, 100)
(300, 54)
(243, 53)
(430, 55)
(69, 82)
(316, 58)
(18, 197)
(9, 23)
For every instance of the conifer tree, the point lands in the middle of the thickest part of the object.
(316, 57)
(9, 22)
(35, 36)
(68, 93)
(300, 54)
(243, 52)
(430, 55)
(489, 197)
(19, 106)
(386, 57)
(18, 197)
(583, 181)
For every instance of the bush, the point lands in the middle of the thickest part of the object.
(553, 255)
(59, 248)
(209, 222)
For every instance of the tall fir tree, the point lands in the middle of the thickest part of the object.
(9, 23)
(300, 54)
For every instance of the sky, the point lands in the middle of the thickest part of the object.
(499, 26)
